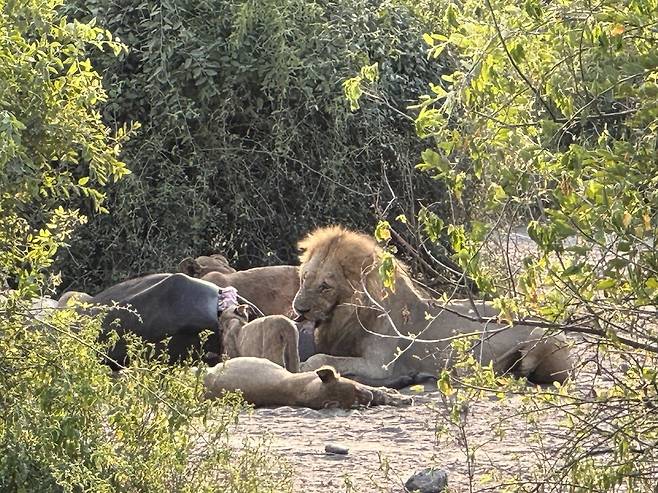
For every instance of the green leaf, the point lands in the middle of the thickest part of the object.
(433, 161)
(533, 9)
(370, 72)
(451, 14)
(436, 50)
(353, 92)
(499, 193)
(578, 249)
(383, 231)
(607, 283)
(618, 263)
(573, 270)
(652, 283)
(517, 52)
(444, 384)
(387, 270)
(438, 90)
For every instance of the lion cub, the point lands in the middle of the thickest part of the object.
(274, 337)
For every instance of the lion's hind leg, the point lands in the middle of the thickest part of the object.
(545, 358)
(279, 341)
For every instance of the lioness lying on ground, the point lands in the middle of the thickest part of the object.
(202, 265)
(273, 337)
(264, 383)
(71, 297)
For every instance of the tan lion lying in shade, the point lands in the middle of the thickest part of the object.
(264, 383)
(205, 264)
(274, 337)
(271, 289)
(70, 297)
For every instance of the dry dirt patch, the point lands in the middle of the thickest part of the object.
(387, 444)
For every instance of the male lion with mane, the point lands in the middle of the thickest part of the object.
(358, 322)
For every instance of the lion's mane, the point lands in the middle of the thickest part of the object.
(357, 255)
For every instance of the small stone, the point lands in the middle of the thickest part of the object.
(427, 481)
(330, 448)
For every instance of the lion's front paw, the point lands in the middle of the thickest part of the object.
(398, 399)
(390, 397)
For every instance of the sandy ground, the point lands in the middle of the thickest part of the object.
(387, 445)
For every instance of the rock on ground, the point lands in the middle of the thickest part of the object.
(427, 481)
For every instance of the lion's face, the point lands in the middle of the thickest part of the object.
(336, 266)
(323, 286)
(234, 317)
(335, 391)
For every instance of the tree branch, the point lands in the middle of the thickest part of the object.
(516, 67)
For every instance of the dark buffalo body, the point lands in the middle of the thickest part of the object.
(171, 306)
(306, 341)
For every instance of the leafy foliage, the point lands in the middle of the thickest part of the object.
(67, 423)
(555, 124)
(52, 141)
(246, 141)
(550, 120)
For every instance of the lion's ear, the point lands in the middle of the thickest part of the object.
(243, 311)
(302, 252)
(223, 264)
(327, 374)
(189, 266)
(251, 313)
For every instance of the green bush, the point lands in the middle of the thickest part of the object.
(549, 121)
(67, 424)
(52, 141)
(246, 140)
